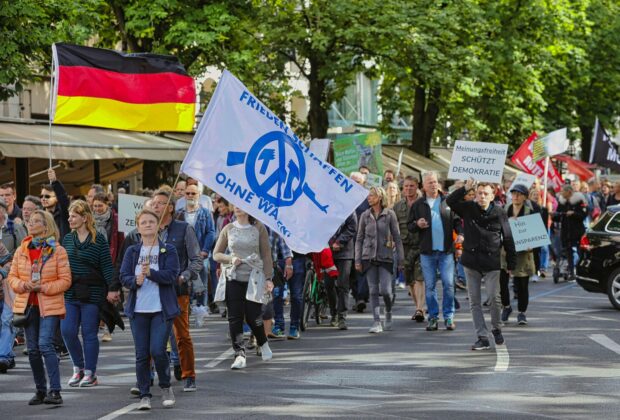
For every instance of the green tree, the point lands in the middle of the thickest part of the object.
(318, 38)
(28, 29)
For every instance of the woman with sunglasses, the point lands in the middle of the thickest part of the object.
(39, 276)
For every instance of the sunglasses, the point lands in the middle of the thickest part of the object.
(190, 193)
(46, 196)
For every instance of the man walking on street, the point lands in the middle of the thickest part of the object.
(433, 220)
(182, 236)
(411, 243)
(343, 249)
(486, 231)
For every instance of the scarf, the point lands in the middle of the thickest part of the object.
(101, 222)
(47, 245)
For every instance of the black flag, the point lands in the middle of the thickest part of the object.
(604, 152)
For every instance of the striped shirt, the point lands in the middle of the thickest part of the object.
(86, 256)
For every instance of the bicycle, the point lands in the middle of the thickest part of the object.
(314, 297)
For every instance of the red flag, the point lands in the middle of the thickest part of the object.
(523, 159)
(577, 167)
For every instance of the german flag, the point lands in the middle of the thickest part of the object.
(106, 88)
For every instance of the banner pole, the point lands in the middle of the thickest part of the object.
(52, 92)
(546, 173)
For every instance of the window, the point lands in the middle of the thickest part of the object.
(614, 223)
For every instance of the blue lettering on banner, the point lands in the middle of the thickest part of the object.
(255, 104)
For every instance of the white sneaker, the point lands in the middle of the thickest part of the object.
(376, 328)
(266, 352)
(402, 286)
(535, 278)
(167, 397)
(239, 363)
(106, 337)
(145, 404)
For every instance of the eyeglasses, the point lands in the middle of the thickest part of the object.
(46, 196)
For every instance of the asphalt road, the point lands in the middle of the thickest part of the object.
(565, 364)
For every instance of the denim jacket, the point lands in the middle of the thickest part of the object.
(204, 227)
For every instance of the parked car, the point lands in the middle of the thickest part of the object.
(599, 268)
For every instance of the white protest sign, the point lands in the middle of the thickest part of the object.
(529, 232)
(128, 207)
(523, 179)
(248, 155)
(481, 161)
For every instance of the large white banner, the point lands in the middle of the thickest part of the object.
(480, 161)
(247, 154)
(128, 207)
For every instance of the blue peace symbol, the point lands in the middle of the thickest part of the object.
(280, 176)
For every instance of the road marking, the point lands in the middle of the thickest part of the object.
(503, 358)
(219, 359)
(597, 318)
(552, 292)
(607, 342)
(120, 412)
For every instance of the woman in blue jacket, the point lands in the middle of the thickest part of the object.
(149, 270)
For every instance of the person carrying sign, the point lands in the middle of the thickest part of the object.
(486, 231)
(525, 266)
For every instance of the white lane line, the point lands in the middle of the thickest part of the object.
(605, 341)
(552, 292)
(120, 412)
(219, 359)
(597, 318)
(503, 358)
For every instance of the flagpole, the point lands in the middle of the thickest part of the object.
(52, 93)
(546, 172)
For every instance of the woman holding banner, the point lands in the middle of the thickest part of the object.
(525, 259)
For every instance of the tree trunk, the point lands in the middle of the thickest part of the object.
(317, 115)
(425, 113)
(586, 141)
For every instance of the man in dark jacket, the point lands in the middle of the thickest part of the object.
(432, 219)
(571, 212)
(486, 231)
(183, 237)
(343, 249)
(55, 200)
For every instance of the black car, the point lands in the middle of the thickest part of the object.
(599, 268)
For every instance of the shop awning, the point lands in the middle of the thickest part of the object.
(411, 160)
(30, 140)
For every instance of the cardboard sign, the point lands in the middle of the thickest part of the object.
(523, 179)
(481, 161)
(128, 207)
(529, 232)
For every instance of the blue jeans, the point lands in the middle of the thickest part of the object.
(544, 257)
(460, 271)
(150, 334)
(296, 286)
(86, 316)
(40, 333)
(7, 333)
(444, 263)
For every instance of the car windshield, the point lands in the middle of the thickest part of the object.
(614, 223)
(602, 221)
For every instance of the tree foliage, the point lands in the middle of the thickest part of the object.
(27, 30)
